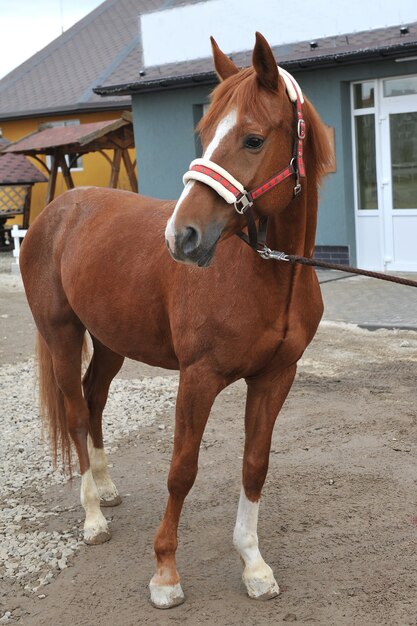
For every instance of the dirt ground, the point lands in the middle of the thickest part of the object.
(338, 519)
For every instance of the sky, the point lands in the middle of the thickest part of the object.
(27, 26)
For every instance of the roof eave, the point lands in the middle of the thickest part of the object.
(313, 62)
(17, 181)
(89, 107)
(359, 56)
(159, 84)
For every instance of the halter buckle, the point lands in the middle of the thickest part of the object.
(245, 203)
(301, 129)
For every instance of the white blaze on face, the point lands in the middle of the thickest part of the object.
(224, 127)
(170, 228)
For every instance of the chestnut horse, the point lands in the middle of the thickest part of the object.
(242, 317)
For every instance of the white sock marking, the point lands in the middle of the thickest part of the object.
(95, 522)
(245, 536)
(257, 576)
(98, 462)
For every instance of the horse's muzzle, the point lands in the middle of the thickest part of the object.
(193, 247)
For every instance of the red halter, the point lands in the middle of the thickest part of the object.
(233, 192)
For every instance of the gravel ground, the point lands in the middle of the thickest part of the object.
(27, 553)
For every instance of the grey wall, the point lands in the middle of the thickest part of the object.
(165, 140)
(164, 137)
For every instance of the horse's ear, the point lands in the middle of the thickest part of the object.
(264, 63)
(224, 66)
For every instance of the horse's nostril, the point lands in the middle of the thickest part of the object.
(190, 240)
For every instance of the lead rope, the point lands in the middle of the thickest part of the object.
(276, 255)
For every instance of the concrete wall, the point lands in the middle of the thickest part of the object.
(165, 141)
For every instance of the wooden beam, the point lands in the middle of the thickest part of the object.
(106, 156)
(115, 169)
(50, 192)
(66, 171)
(41, 161)
(130, 170)
(26, 210)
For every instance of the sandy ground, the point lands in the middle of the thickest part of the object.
(338, 521)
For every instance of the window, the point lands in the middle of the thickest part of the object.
(72, 162)
(403, 137)
(198, 111)
(365, 148)
(404, 86)
(364, 95)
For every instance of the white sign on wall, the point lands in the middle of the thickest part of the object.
(183, 33)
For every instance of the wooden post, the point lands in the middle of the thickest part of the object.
(52, 179)
(130, 170)
(115, 168)
(26, 208)
(66, 171)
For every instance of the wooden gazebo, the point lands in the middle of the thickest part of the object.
(17, 177)
(65, 144)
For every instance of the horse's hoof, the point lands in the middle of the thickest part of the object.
(111, 502)
(166, 596)
(259, 589)
(95, 540)
(268, 595)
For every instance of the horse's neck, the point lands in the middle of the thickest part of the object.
(293, 230)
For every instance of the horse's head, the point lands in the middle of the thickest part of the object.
(248, 134)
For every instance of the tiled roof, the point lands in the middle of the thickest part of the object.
(77, 137)
(15, 169)
(373, 44)
(103, 47)
(60, 77)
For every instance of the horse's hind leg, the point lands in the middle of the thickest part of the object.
(265, 398)
(103, 367)
(60, 371)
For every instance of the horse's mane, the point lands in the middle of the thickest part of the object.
(243, 91)
(317, 144)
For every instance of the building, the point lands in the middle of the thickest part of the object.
(362, 82)
(17, 177)
(55, 87)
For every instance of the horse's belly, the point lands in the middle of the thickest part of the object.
(140, 343)
(135, 327)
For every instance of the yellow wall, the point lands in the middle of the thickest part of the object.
(96, 169)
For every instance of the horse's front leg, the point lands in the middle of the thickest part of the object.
(196, 393)
(265, 398)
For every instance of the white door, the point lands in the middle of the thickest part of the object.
(385, 137)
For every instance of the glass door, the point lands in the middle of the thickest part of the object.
(368, 204)
(384, 128)
(399, 172)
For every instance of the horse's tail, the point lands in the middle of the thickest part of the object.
(52, 407)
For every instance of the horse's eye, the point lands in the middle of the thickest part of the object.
(253, 142)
